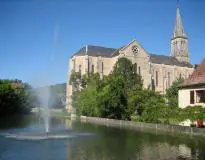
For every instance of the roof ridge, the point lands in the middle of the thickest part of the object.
(94, 50)
(159, 54)
(168, 60)
(99, 46)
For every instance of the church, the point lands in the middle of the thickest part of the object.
(157, 71)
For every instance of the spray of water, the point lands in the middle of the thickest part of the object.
(44, 99)
(44, 79)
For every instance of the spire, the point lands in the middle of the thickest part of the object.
(178, 29)
(179, 40)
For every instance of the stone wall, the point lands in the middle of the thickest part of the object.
(144, 126)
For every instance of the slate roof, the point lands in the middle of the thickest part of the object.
(95, 51)
(111, 52)
(168, 60)
(197, 77)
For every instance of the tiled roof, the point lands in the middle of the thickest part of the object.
(168, 60)
(95, 51)
(197, 77)
(111, 52)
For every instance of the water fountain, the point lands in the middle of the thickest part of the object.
(44, 102)
(46, 133)
(43, 97)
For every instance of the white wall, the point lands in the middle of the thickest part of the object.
(184, 98)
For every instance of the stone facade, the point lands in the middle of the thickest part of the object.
(158, 71)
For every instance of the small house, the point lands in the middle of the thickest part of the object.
(192, 90)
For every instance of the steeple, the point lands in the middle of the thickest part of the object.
(179, 40)
(178, 29)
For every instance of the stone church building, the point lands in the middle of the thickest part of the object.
(157, 71)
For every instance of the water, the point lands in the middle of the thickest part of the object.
(94, 142)
(43, 97)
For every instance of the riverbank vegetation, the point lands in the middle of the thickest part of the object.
(16, 97)
(121, 95)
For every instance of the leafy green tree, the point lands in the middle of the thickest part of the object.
(112, 99)
(172, 92)
(15, 97)
(74, 77)
(86, 102)
(146, 103)
(114, 94)
(124, 67)
(108, 97)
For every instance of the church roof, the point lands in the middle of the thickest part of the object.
(111, 52)
(95, 51)
(197, 77)
(168, 60)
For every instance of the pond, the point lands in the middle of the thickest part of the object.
(92, 142)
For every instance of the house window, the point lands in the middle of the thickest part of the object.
(156, 78)
(191, 97)
(139, 70)
(200, 96)
(180, 75)
(93, 69)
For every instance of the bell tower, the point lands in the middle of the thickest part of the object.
(179, 40)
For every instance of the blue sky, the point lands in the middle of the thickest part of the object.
(38, 37)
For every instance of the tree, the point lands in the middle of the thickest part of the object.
(124, 67)
(114, 94)
(86, 102)
(112, 99)
(15, 97)
(172, 92)
(74, 77)
(146, 104)
(107, 97)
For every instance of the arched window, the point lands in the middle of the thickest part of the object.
(180, 75)
(152, 83)
(135, 68)
(93, 69)
(88, 66)
(139, 70)
(80, 69)
(168, 79)
(156, 78)
(102, 67)
(74, 65)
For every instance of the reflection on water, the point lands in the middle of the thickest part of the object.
(107, 144)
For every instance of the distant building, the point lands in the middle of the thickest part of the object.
(192, 90)
(157, 71)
